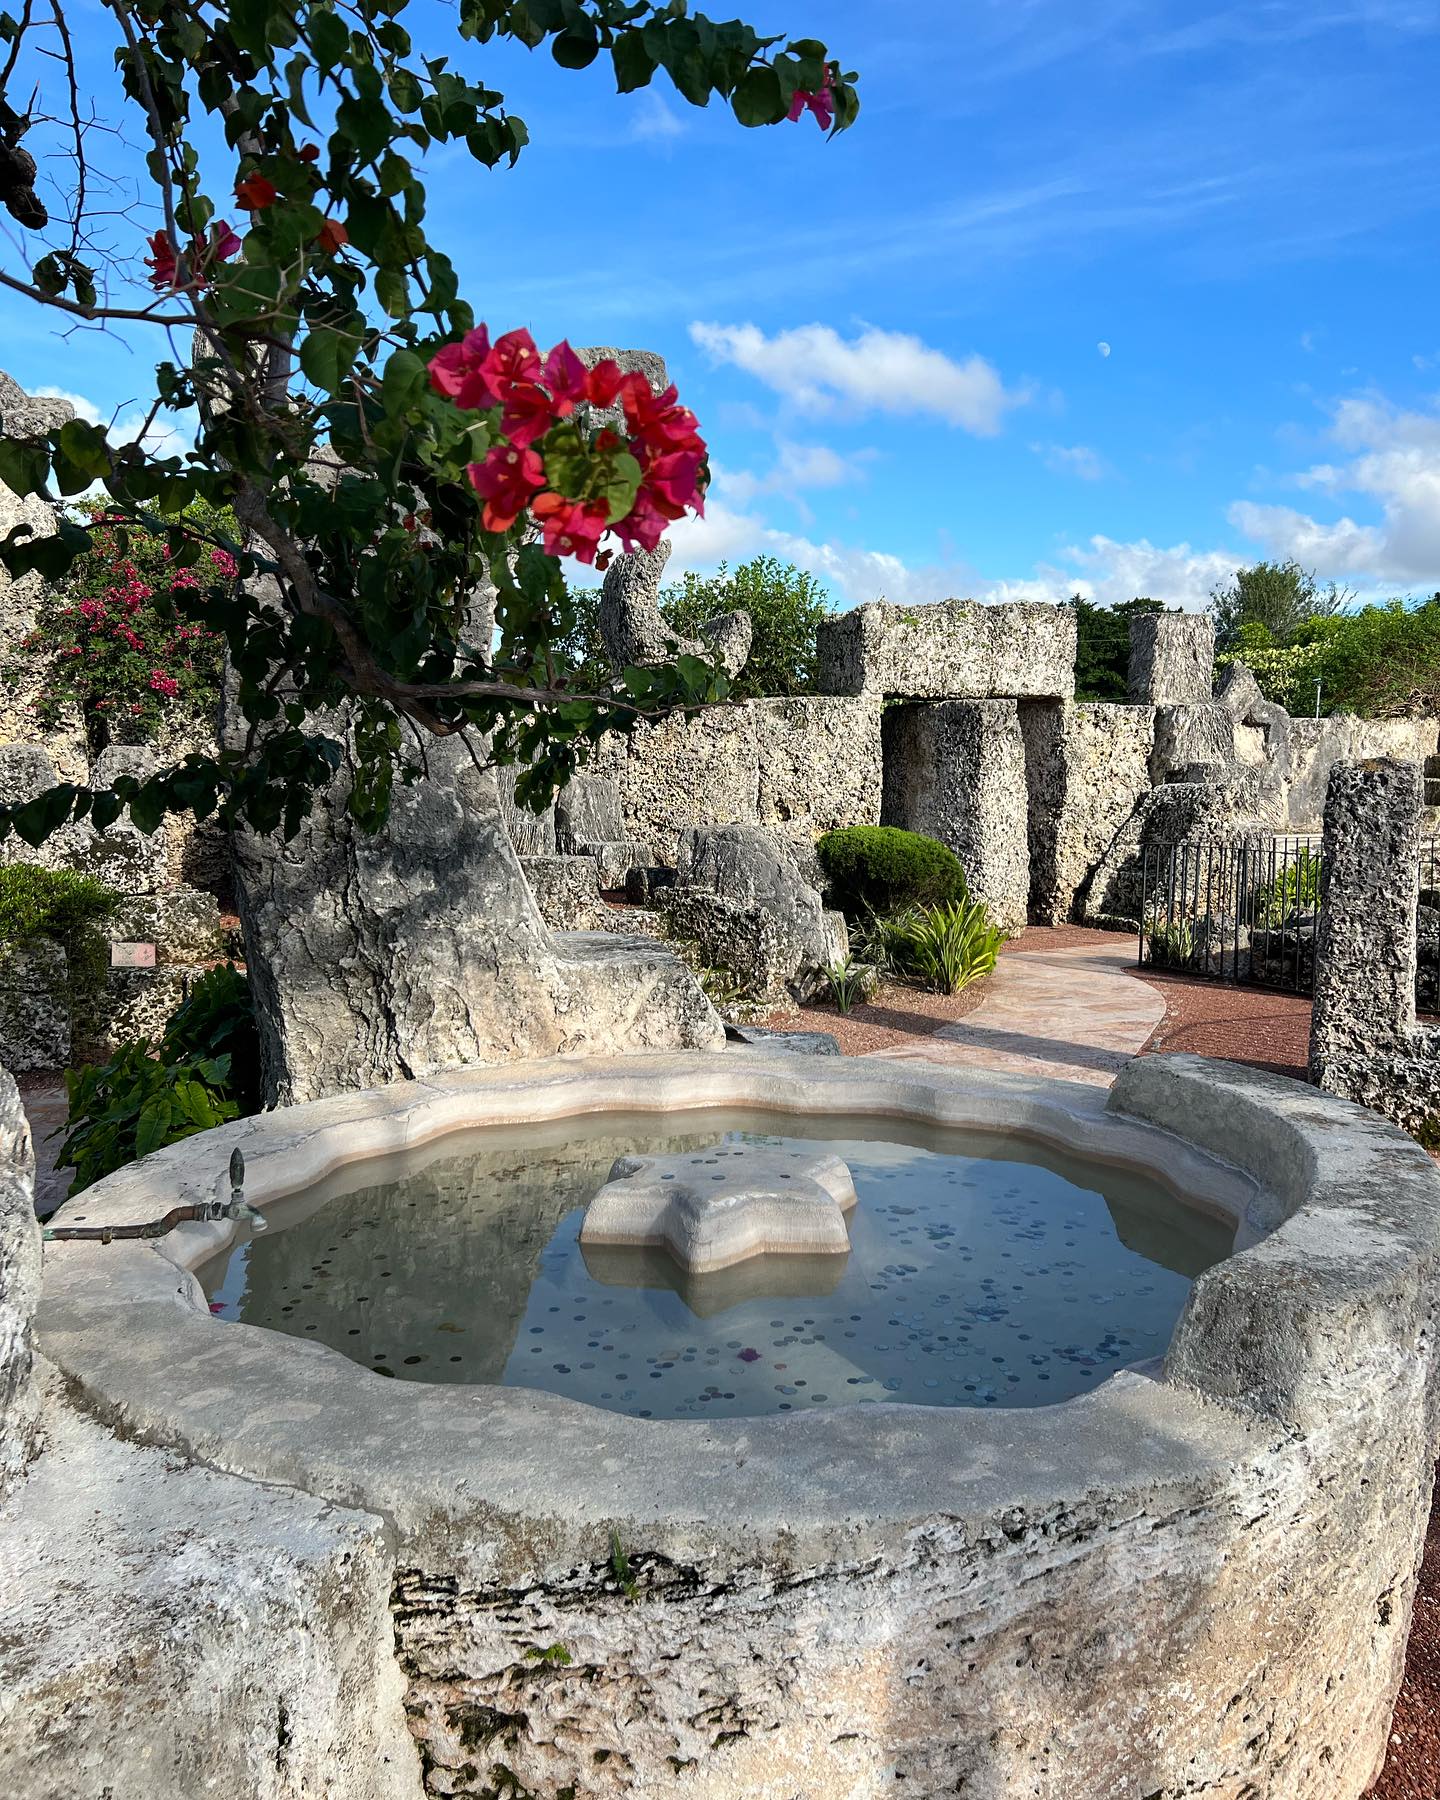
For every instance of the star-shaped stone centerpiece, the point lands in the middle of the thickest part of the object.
(714, 1208)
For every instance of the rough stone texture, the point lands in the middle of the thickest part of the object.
(20, 416)
(761, 888)
(567, 891)
(1364, 1041)
(1316, 745)
(587, 811)
(950, 649)
(1203, 732)
(183, 924)
(1153, 1589)
(714, 1208)
(167, 1631)
(196, 851)
(1087, 770)
(1172, 658)
(377, 957)
(34, 1006)
(1182, 812)
(797, 766)
(956, 771)
(19, 1288)
(124, 857)
(133, 1004)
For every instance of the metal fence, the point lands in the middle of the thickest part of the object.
(1246, 911)
(1241, 910)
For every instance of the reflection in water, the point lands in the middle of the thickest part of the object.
(981, 1272)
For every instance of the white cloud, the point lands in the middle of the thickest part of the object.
(1105, 570)
(1395, 465)
(797, 469)
(172, 435)
(1072, 459)
(654, 120)
(878, 371)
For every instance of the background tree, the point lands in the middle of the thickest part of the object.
(1280, 596)
(1102, 653)
(382, 457)
(785, 605)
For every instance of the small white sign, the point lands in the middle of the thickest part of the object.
(132, 956)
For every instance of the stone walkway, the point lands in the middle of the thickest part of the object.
(1074, 1014)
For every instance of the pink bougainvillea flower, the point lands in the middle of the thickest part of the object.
(675, 481)
(164, 684)
(505, 481)
(644, 525)
(822, 104)
(565, 376)
(529, 413)
(571, 527)
(223, 242)
(459, 370)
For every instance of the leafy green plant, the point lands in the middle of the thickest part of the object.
(217, 1018)
(849, 981)
(135, 1103)
(1172, 945)
(551, 1656)
(54, 903)
(786, 606)
(947, 947)
(1295, 889)
(620, 1567)
(875, 869)
(204, 1070)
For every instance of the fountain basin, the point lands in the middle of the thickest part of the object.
(1195, 1575)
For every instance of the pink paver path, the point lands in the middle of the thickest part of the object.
(1073, 1014)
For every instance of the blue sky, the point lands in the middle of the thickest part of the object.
(897, 341)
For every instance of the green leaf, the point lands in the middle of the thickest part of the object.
(759, 98)
(576, 48)
(406, 378)
(327, 356)
(634, 65)
(393, 292)
(152, 1129)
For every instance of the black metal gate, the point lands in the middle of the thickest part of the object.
(1238, 910)
(1246, 910)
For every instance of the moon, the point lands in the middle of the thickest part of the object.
(1103, 347)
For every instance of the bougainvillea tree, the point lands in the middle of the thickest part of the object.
(110, 645)
(382, 452)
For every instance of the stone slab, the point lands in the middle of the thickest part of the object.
(950, 649)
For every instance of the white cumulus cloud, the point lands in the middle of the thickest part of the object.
(172, 435)
(1078, 460)
(878, 371)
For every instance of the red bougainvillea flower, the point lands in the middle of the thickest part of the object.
(161, 262)
(164, 684)
(656, 422)
(514, 358)
(822, 104)
(566, 378)
(255, 193)
(333, 236)
(310, 153)
(505, 481)
(529, 413)
(571, 527)
(602, 383)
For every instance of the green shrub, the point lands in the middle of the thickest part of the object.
(53, 903)
(875, 869)
(946, 947)
(135, 1103)
(204, 1070)
(1295, 889)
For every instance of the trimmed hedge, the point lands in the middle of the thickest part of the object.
(879, 868)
